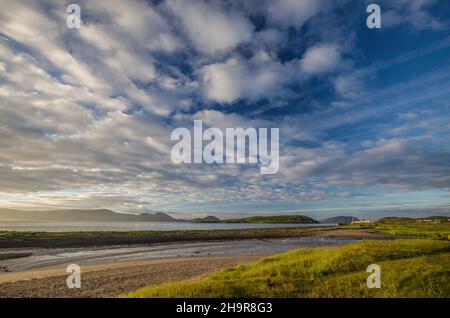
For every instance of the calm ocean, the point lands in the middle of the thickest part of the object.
(135, 226)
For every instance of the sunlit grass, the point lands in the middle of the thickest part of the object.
(407, 227)
(410, 268)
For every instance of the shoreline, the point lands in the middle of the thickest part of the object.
(39, 273)
(10, 239)
(99, 275)
(46, 277)
(41, 258)
(100, 280)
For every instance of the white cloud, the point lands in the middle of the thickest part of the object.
(90, 111)
(292, 12)
(321, 58)
(131, 66)
(253, 79)
(27, 24)
(135, 22)
(415, 13)
(349, 85)
(211, 29)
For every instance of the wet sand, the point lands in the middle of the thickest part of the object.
(111, 280)
(58, 257)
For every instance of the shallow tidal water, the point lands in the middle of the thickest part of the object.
(58, 257)
(68, 226)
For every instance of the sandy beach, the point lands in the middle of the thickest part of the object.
(111, 280)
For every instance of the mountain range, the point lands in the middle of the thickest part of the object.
(84, 215)
(111, 216)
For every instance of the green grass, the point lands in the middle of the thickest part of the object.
(409, 268)
(5, 256)
(408, 227)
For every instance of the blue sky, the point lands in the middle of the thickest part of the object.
(87, 114)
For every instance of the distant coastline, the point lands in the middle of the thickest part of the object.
(112, 216)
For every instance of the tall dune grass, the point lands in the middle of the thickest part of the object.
(409, 268)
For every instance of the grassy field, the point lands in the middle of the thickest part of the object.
(5, 256)
(409, 268)
(438, 228)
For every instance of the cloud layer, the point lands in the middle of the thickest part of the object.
(86, 114)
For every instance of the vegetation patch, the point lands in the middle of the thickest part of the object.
(409, 268)
(5, 256)
(273, 219)
(436, 227)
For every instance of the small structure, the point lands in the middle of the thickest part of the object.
(362, 222)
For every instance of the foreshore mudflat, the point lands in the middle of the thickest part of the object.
(111, 280)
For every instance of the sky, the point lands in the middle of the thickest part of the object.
(86, 114)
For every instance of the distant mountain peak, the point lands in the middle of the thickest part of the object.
(207, 219)
(83, 215)
(340, 219)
